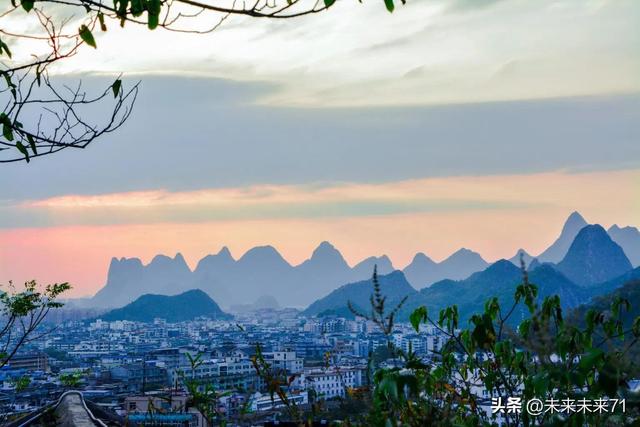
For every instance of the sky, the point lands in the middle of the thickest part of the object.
(447, 124)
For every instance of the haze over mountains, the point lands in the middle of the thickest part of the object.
(260, 271)
(423, 271)
(263, 271)
(629, 239)
(593, 265)
(595, 257)
(559, 248)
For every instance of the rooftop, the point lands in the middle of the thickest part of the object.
(71, 410)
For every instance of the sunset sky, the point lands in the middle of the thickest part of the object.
(447, 124)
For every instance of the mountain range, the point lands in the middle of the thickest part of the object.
(593, 265)
(263, 271)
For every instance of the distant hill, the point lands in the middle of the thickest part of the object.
(500, 280)
(210, 276)
(263, 302)
(128, 278)
(325, 270)
(629, 291)
(594, 258)
(617, 282)
(261, 271)
(365, 267)
(629, 240)
(423, 271)
(521, 253)
(592, 266)
(178, 308)
(558, 249)
(394, 285)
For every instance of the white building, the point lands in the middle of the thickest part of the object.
(333, 382)
(284, 361)
(264, 402)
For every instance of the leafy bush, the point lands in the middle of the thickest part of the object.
(22, 312)
(547, 359)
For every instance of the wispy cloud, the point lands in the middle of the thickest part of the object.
(249, 203)
(357, 54)
(319, 202)
(216, 140)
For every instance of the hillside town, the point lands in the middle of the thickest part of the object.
(127, 367)
(319, 213)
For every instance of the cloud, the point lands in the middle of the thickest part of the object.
(460, 5)
(201, 133)
(299, 202)
(356, 54)
(248, 203)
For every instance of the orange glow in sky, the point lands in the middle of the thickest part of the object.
(493, 215)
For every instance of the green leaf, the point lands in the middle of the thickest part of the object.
(23, 150)
(32, 144)
(389, 386)
(27, 5)
(635, 328)
(116, 87)
(153, 8)
(389, 4)
(86, 36)
(153, 21)
(5, 48)
(492, 307)
(523, 328)
(418, 316)
(137, 7)
(591, 359)
(7, 129)
(7, 79)
(329, 3)
(7, 132)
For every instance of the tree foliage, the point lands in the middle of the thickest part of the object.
(21, 314)
(202, 394)
(547, 359)
(384, 319)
